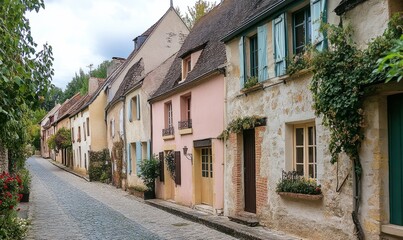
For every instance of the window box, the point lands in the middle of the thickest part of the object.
(168, 133)
(254, 88)
(301, 196)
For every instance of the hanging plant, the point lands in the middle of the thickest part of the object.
(240, 124)
(170, 162)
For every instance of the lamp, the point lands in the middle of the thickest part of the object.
(187, 155)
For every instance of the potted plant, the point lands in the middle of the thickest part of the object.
(292, 185)
(149, 171)
(25, 184)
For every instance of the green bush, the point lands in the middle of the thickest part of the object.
(25, 180)
(299, 185)
(149, 171)
(100, 168)
(13, 228)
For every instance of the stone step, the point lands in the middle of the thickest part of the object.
(247, 220)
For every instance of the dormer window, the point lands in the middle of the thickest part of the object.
(186, 67)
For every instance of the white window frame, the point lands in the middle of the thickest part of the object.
(305, 146)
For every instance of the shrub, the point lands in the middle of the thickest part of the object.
(149, 171)
(9, 193)
(25, 180)
(13, 229)
(299, 185)
(100, 166)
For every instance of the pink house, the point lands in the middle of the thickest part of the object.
(188, 116)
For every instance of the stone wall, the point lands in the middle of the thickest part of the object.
(3, 159)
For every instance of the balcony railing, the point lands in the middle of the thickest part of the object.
(185, 124)
(168, 131)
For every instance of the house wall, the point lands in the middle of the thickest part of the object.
(285, 105)
(79, 163)
(207, 122)
(65, 123)
(164, 41)
(97, 123)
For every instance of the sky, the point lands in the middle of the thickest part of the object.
(91, 31)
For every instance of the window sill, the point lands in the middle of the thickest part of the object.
(393, 230)
(257, 87)
(185, 131)
(301, 196)
(168, 137)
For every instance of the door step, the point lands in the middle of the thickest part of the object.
(248, 219)
(204, 208)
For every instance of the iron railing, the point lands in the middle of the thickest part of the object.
(185, 124)
(168, 131)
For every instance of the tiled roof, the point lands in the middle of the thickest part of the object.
(69, 103)
(133, 76)
(207, 32)
(346, 5)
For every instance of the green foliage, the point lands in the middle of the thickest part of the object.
(299, 185)
(196, 12)
(170, 162)
(392, 63)
(13, 228)
(25, 177)
(25, 73)
(250, 82)
(240, 124)
(52, 142)
(149, 171)
(63, 139)
(100, 168)
(53, 96)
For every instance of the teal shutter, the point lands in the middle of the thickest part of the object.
(318, 15)
(129, 159)
(280, 45)
(395, 130)
(138, 107)
(262, 53)
(149, 149)
(242, 61)
(130, 110)
(138, 156)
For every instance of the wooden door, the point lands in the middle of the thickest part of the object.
(206, 176)
(395, 121)
(249, 170)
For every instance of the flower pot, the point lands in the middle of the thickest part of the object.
(25, 197)
(150, 194)
(301, 196)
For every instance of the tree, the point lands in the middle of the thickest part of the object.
(54, 95)
(194, 13)
(25, 73)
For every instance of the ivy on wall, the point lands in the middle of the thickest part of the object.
(242, 123)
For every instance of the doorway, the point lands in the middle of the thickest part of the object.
(249, 170)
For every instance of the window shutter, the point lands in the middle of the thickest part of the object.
(138, 107)
(318, 14)
(242, 61)
(121, 122)
(149, 149)
(162, 167)
(262, 53)
(130, 110)
(280, 51)
(178, 167)
(138, 156)
(129, 160)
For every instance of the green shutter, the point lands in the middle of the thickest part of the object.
(149, 149)
(130, 110)
(280, 45)
(242, 62)
(395, 128)
(138, 156)
(138, 107)
(129, 160)
(318, 15)
(262, 53)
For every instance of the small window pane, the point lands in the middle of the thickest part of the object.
(311, 157)
(300, 155)
(311, 172)
(299, 134)
(311, 136)
(300, 169)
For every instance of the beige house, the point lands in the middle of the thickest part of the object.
(292, 138)
(87, 124)
(47, 130)
(65, 156)
(151, 49)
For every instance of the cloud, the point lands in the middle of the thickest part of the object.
(93, 30)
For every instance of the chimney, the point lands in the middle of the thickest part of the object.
(93, 84)
(116, 61)
(172, 3)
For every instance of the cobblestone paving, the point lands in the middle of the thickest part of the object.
(63, 206)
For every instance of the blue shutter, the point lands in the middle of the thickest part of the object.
(262, 53)
(318, 15)
(138, 107)
(138, 156)
(130, 110)
(280, 45)
(149, 149)
(242, 61)
(129, 160)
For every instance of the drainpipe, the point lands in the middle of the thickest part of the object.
(124, 136)
(151, 129)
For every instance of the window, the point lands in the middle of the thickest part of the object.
(134, 108)
(302, 29)
(186, 118)
(253, 61)
(168, 115)
(186, 67)
(84, 134)
(207, 163)
(72, 134)
(79, 134)
(112, 128)
(88, 126)
(305, 150)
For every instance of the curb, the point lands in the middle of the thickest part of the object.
(208, 222)
(68, 170)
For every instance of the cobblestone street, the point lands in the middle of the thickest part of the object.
(63, 206)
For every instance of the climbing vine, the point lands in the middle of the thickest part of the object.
(170, 161)
(242, 123)
(341, 79)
